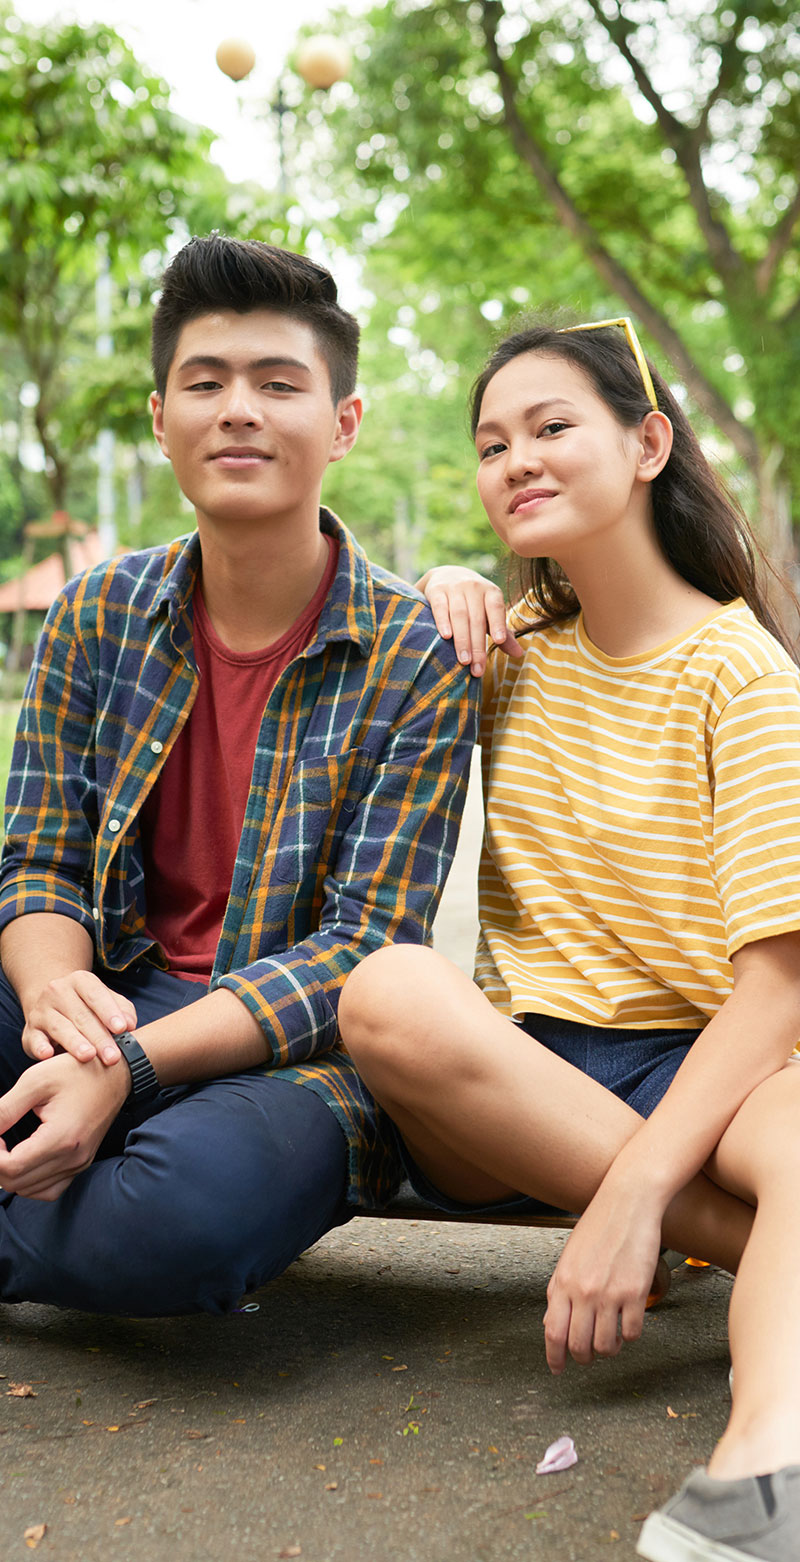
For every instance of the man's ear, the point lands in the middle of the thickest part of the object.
(157, 410)
(656, 444)
(348, 422)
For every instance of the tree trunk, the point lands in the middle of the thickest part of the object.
(777, 539)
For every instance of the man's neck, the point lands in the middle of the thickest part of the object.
(255, 586)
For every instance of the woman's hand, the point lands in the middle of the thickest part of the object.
(466, 607)
(598, 1291)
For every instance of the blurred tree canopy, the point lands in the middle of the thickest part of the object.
(613, 156)
(97, 174)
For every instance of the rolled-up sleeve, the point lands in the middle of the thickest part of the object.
(51, 810)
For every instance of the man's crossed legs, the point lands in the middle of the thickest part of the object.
(208, 1192)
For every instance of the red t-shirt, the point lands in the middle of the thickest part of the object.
(192, 819)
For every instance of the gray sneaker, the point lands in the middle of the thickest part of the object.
(727, 1521)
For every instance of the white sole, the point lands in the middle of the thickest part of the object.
(664, 1540)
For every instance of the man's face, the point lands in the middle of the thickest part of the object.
(247, 418)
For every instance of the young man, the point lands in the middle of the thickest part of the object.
(239, 767)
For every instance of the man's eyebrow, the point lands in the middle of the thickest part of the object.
(489, 426)
(211, 361)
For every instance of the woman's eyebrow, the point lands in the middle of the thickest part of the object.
(490, 426)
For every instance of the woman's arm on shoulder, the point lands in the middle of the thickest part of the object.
(466, 607)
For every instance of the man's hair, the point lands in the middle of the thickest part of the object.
(217, 272)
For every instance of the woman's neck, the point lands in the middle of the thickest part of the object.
(632, 597)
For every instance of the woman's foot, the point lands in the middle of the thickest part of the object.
(727, 1521)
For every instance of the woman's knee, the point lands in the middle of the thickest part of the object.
(399, 1017)
(760, 1150)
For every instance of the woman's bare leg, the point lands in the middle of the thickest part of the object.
(486, 1111)
(758, 1158)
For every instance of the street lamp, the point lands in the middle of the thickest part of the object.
(321, 61)
(235, 58)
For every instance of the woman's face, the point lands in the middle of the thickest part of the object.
(556, 468)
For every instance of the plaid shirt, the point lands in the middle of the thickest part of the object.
(358, 783)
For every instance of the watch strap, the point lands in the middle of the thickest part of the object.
(144, 1080)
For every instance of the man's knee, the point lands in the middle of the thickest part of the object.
(237, 1192)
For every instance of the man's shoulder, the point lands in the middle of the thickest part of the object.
(129, 580)
(403, 615)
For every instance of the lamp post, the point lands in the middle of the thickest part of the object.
(321, 61)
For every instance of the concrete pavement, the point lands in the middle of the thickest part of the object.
(387, 1399)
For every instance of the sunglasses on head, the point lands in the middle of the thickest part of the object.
(633, 342)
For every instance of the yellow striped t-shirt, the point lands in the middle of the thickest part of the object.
(642, 821)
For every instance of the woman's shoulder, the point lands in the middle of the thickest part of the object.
(740, 644)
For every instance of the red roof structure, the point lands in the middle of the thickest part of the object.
(40, 585)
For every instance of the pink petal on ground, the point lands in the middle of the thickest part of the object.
(559, 1456)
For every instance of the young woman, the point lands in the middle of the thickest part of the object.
(626, 1050)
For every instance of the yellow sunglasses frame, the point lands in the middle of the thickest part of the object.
(633, 342)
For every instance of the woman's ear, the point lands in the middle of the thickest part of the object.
(655, 433)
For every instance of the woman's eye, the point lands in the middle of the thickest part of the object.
(490, 450)
(554, 427)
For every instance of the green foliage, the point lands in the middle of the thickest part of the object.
(600, 157)
(96, 171)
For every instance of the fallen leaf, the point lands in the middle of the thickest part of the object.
(118, 1523)
(673, 1414)
(143, 1404)
(337, 1442)
(613, 1534)
(291, 1551)
(112, 1428)
(560, 1455)
(198, 1434)
(331, 1485)
(377, 1494)
(376, 1461)
(33, 1535)
(400, 1369)
(21, 1391)
(320, 1467)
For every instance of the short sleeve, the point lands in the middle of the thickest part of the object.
(755, 763)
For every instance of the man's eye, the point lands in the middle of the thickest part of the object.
(279, 385)
(204, 385)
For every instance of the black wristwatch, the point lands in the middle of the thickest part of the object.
(144, 1080)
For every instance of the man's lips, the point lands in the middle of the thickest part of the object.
(240, 455)
(530, 496)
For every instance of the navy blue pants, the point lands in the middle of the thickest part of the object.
(206, 1193)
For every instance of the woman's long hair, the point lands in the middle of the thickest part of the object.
(700, 527)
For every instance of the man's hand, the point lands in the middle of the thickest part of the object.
(598, 1291)
(76, 1104)
(77, 1014)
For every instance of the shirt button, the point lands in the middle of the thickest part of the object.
(96, 913)
(156, 747)
(114, 825)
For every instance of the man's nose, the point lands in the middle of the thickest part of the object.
(240, 406)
